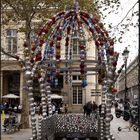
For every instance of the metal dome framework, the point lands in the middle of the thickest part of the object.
(61, 26)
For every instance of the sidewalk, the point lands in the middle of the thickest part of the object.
(125, 134)
(23, 134)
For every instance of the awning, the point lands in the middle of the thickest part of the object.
(10, 96)
(56, 96)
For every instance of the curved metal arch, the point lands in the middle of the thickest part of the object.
(101, 36)
(87, 20)
(93, 28)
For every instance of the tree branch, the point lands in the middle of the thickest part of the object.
(12, 55)
(34, 9)
(126, 15)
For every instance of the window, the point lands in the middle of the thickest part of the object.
(77, 95)
(75, 33)
(76, 77)
(83, 42)
(76, 43)
(75, 47)
(79, 77)
(12, 40)
(13, 84)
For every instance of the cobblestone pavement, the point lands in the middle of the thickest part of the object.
(25, 134)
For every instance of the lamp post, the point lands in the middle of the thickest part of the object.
(125, 55)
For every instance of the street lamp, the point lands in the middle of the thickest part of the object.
(125, 55)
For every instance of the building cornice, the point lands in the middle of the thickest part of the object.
(10, 65)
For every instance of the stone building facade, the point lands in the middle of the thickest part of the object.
(12, 76)
(132, 81)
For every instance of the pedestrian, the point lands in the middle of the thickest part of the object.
(85, 109)
(66, 108)
(89, 109)
(116, 104)
(7, 107)
(100, 110)
(126, 114)
(58, 108)
(53, 109)
(3, 116)
(94, 107)
(20, 108)
(126, 105)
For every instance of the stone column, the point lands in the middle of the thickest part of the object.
(84, 96)
(5, 83)
(1, 80)
(70, 95)
(96, 89)
(21, 86)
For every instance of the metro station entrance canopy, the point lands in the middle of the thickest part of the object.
(46, 58)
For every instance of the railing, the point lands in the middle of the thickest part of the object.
(70, 126)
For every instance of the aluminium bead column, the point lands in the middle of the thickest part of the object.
(43, 97)
(111, 76)
(108, 119)
(48, 88)
(31, 99)
(109, 98)
(39, 126)
(112, 79)
(44, 107)
(102, 127)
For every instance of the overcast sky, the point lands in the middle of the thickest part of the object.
(130, 38)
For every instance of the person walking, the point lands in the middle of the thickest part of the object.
(66, 108)
(53, 108)
(85, 109)
(94, 107)
(116, 104)
(89, 109)
(3, 116)
(126, 114)
(58, 108)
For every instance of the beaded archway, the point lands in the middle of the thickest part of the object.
(61, 27)
(103, 42)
